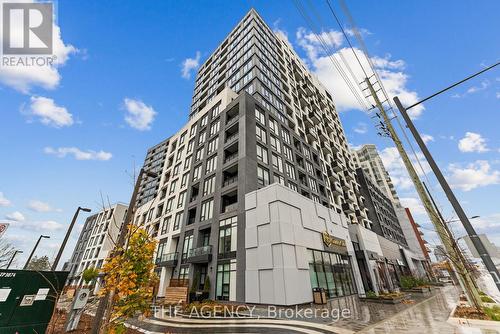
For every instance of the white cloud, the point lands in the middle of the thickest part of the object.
(190, 64)
(427, 138)
(390, 71)
(361, 128)
(312, 43)
(139, 115)
(15, 216)
(24, 78)
(474, 175)
(397, 170)
(78, 154)
(48, 112)
(32, 226)
(414, 204)
(3, 200)
(487, 222)
(39, 206)
(474, 89)
(472, 142)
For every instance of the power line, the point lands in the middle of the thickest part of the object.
(329, 53)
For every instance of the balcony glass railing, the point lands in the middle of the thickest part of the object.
(205, 250)
(167, 257)
(230, 180)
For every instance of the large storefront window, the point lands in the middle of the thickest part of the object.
(226, 281)
(331, 272)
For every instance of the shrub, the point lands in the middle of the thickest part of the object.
(371, 294)
(486, 299)
(493, 312)
(407, 282)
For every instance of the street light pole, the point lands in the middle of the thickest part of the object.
(34, 249)
(105, 305)
(66, 237)
(478, 244)
(13, 256)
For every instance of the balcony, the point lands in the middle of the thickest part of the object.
(200, 254)
(347, 208)
(230, 158)
(230, 180)
(167, 260)
(231, 138)
(315, 117)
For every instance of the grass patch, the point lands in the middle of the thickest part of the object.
(492, 312)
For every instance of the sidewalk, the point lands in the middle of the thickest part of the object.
(426, 317)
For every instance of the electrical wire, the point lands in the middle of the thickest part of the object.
(329, 54)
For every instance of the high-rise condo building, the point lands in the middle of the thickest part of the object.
(369, 160)
(96, 240)
(258, 193)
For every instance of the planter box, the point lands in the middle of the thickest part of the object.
(474, 323)
(423, 291)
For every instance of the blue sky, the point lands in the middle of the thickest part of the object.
(76, 131)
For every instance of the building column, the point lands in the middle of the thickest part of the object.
(163, 281)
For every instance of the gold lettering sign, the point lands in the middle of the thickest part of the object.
(330, 240)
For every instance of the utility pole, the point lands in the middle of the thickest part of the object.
(478, 244)
(105, 307)
(470, 290)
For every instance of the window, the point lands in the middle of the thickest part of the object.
(279, 179)
(193, 130)
(216, 110)
(173, 184)
(204, 121)
(227, 237)
(197, 172)
(278, 163)
(213, 145)
(199, 154)
(180, 201)
(288, 152)
(260, 116)
(313, 184)
(211, 164)
(186, 246)
(177, 220)
(207, 210)
(262, 154)
(166, 225)
(309, 168)
(176, 169)
(190, 146)
(168, 205)
(150, 215)
(214, 128)
(182, 138)
(285, 135)
(290, 170)
(179, 155)
(261, 134)
(187, 162)
(262, 176)
(209, 186)
(202, 138)
(184, 179)
(159, 210)
(275, 143)
(273, 125)
(226, 280)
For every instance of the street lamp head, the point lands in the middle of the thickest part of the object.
(45, 236)
(474, 217)
(85, 209)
